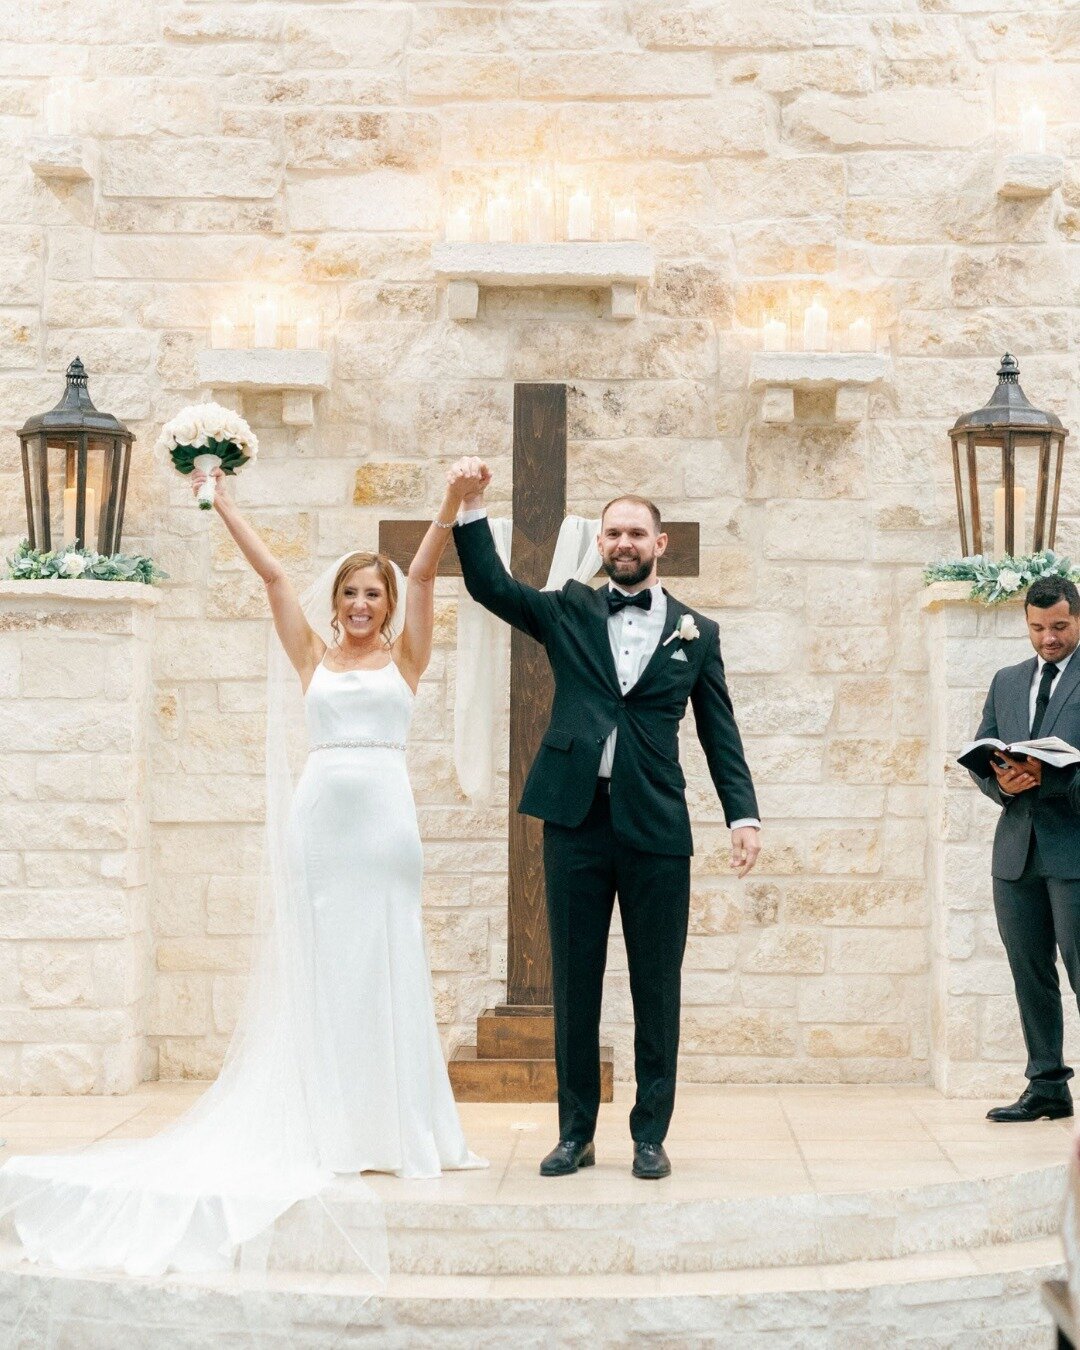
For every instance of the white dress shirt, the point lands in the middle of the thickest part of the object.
(1037, 677)
(634, 634)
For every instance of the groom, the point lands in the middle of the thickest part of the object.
(608, 786)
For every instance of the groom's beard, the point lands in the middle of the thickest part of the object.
(627, 572)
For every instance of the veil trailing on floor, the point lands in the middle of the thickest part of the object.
(236, 1182)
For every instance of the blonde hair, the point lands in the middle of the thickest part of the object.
(358, 562)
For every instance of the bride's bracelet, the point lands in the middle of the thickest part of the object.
(442, 524)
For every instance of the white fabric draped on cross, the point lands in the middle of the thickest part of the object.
(482, 653)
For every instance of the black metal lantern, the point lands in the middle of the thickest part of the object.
(1008, 423)
(75, 470)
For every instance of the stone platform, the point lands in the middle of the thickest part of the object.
(839, 1217)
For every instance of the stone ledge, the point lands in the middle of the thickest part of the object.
(1024, 176)
(93, 592)
(816, 370)
(66, 158)
(618, 265)
(260, 369)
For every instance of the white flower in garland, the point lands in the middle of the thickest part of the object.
(73, 565)
(995, 580)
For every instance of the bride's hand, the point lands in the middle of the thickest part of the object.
(198, 478)
(469, 477)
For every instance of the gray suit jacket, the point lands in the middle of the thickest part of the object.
(1052, 809)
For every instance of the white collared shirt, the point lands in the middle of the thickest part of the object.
(1037, 679)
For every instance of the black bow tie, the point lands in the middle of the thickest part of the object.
(616, 600)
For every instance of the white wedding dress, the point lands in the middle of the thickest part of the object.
(336, 1066)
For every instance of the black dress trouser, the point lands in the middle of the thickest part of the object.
(1037, 917)
(586, 867)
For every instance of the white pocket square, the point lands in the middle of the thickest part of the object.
(678, 654)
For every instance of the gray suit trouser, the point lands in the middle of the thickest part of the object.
(1037, 917)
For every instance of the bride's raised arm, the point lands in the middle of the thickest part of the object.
(302, 644)
(414, 646)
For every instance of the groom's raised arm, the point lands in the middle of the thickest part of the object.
(491, 585)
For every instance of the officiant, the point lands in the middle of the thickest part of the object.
(1036, 858)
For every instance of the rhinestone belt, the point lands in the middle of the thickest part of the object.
(359, 745)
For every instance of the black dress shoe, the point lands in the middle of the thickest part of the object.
(1032, 1105)
(567, 1156)
(650, 1162)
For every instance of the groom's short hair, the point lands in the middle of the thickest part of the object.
(652, 508)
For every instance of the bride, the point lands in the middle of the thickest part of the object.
(335, 1065)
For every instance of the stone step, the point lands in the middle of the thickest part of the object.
(985, 1296)
(654, 1237)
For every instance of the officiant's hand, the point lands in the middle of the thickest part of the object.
(745, 847)
(1021, 775)
(467, 481)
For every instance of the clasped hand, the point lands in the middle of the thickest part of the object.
(468, 478)
(1020, 775)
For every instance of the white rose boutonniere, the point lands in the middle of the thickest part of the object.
(686, 631)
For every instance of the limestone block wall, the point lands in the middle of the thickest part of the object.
(75, 697)
(978, 1048)
(844, 148)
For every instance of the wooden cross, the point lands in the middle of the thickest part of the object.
(513, 1059)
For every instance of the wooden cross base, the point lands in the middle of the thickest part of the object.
(513, 1059)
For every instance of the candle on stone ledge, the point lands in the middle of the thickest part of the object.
(307, 331)
(624, 221)
(815, 327)
(1019, 540)
(266, 323)
(90, 522)
(459, 226)
(539, 212)
(222, 331)
(774, 335)
(58, 107)
(579, 215)
(860, 335)
(1033, 130)
(500, 219)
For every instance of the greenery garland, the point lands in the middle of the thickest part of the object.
(994, 580)
(81, 564)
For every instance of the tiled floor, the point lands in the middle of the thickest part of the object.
(725, 1142)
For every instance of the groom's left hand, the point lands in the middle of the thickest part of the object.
(745, 847)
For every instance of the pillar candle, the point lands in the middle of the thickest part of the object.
(774, 335)
(816, 327)
(90, 522)
(500, 219)
(1019, 531)
(459, 226)
(58, 110)
(307, 330)
(539, 212)
(860, 335)
(579, 215)
(266, 323)
(222, 331)
(624, 221)
(1033, 130)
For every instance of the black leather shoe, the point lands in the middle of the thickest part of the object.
(1032, 1105)
(650, 1162)
(567, 1156)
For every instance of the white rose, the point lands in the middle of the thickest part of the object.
(74, 565)
(1008, 580)
(686, 630)
(183, 431)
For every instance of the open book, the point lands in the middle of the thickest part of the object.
(1050, 749)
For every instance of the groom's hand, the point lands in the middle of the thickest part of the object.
(467, 480)
(745, 847)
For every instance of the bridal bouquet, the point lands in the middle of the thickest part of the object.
(206, 436)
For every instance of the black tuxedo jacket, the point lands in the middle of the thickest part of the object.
(648, 789)
(1052, 809)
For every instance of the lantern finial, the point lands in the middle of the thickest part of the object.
(1009, 370)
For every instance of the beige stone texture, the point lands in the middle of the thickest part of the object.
(846, 148)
